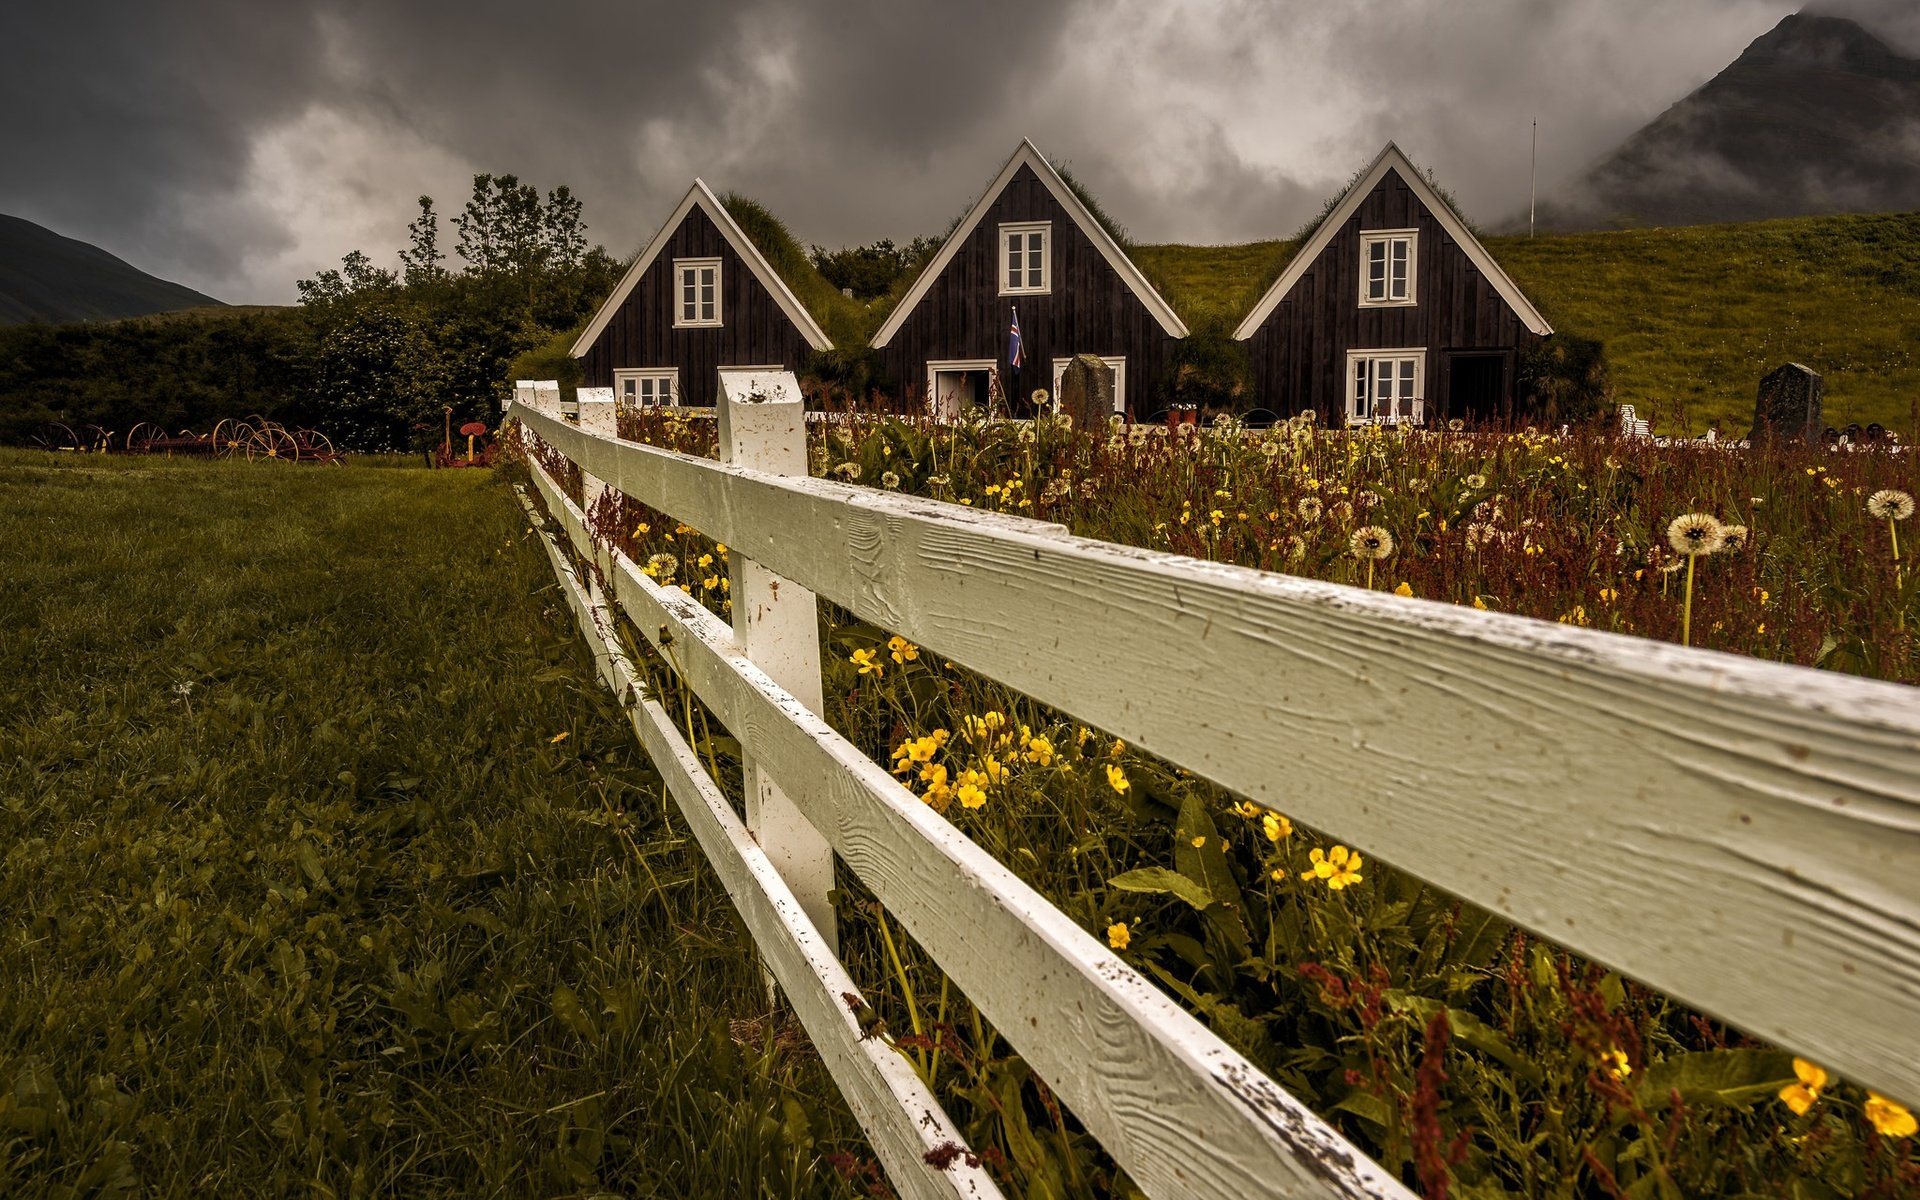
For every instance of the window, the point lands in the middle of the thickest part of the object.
(697, 292)
(1117, 364)
(1023, 258)
(1388, 267)
(1386, 387)
(647, 389)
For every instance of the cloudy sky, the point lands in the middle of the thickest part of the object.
(236, 146)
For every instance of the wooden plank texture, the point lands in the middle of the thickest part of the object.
(1740, 834)
(903, 1121)
(1185, 1114)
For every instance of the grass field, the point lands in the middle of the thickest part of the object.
(1691, 318)
(302, 892)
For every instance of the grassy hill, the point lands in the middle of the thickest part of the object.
(1691, 317)
(47, 277)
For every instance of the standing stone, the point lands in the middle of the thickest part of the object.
(1086, 391)
(1789, 404)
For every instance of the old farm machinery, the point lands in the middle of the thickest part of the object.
(253, 438)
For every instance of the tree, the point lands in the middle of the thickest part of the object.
(421, 261)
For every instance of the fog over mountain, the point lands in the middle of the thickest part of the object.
(237, 146)
(1818, 115)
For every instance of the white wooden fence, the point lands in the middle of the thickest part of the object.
(1743, 835)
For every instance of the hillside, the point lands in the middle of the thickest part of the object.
(1817, 116)
(47, 277)
(1691, 317)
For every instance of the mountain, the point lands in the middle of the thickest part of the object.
(47, 277)
(1816, 116)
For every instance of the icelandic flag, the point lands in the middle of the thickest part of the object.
(1013, 342)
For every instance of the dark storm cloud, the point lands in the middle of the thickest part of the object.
(236, 146)
(116, 113)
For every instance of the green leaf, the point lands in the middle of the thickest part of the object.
(1470, 1030)
(1715, 1079)
(1368, 1107)
(1163, 882)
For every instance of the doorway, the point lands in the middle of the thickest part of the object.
(1478, 390)
(957, 387)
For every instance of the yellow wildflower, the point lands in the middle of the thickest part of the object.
(1890, 1117)
(1117, 779)
(995, 772)
(867, 663)
(1276, 827)
(934, 775)
(1118, 935)
(970, 795)
(1119, 748)
(1247, 809)
(710, 582)
(706, 560)
(1801, 1096)
(1039, 751)
(903, 650)
(1405, 589)
(1200, 841)
(1338, 867)
(1615, 1061)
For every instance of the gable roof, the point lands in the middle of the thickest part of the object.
(1391, 159)
(701, 196)
(1028, 155)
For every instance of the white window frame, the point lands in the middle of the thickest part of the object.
(682, 267)
(640, 377)
(1119, 364)
(1375, 237)
(1026, 230)
(935, 367)
(1417, 413)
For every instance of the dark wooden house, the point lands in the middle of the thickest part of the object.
(1030, 252)
(1391, 311)
(700, 297)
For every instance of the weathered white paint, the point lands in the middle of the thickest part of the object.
(903, 1121)
(763, 426)
(1740, 834)
(599, 418)
(1185, 1114)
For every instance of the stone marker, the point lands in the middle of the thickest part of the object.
(1788, 406)
(1086, 391)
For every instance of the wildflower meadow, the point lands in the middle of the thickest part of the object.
(1470, 1057)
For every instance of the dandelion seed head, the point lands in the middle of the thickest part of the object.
(1890, 504)
(1371, 542)
(1696, 533)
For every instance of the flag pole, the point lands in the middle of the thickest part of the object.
(1533, 176)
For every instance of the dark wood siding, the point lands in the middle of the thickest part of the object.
(1089, 310)
(756, 332)
(1299, 355)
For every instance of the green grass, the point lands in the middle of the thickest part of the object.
(1694, 317)
(1219, 283)
(1691, 318)
(298, 896)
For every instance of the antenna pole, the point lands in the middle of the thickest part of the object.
(1533, 176)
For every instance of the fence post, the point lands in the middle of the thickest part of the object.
(763, 426)
(597, 418)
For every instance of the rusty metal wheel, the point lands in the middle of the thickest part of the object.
(272, 442)
(55, 436)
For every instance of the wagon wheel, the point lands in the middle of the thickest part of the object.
(95, 439)
(141, 437)
(317, 445)
(272, 442)
(55, 436)
(231, 437)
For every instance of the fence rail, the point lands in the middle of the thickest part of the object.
(1742, 835)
